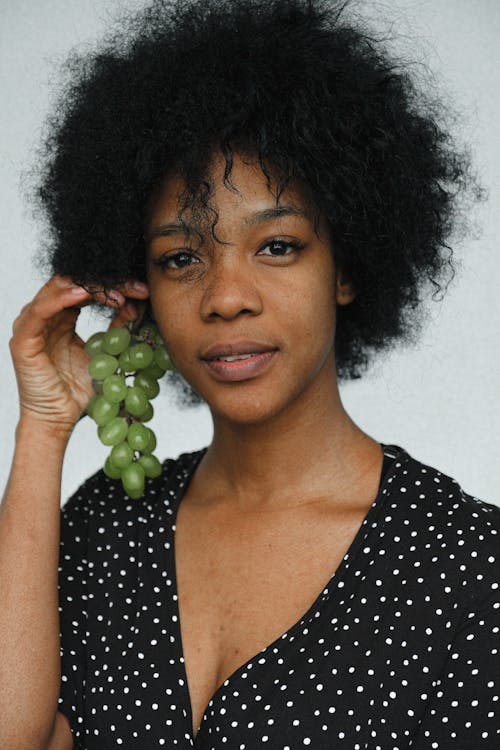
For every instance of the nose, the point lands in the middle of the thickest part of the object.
(231, 288)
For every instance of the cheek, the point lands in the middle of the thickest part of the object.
(312, 307)
(167, 315)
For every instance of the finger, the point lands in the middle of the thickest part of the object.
(116, 297)
(130, 312)
(134, 289)
(50, 300)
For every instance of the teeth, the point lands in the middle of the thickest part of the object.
(236, 358)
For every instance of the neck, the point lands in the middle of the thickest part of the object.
(312, 450)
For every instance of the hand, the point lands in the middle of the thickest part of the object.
(49, 357)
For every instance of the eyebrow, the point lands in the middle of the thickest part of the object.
(276, 212)
(259, 217)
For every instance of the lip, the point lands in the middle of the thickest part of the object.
(235, 348)
(245, 369)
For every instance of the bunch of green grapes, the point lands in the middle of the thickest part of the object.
(125, 368)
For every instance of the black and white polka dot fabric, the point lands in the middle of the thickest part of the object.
(401, 650)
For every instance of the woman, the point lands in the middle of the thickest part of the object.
(262, 181)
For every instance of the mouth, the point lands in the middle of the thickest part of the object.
(235, 351)
(239, 360)
(235, 358)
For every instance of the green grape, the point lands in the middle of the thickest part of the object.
(133, 480)
(102, 365)
(135, 494)
(136, 401)
(148, 384)
(153, 371)
(120, 410)
(90, 406)
(114, 431)
(151, 466)
(116, 340)
(114, 388)
(147, 416)
(152, 443)
(94, 345)
(121, 455)
(141, 355)
(124, 362)
(138, 436)
(111, 470)
(103, 411)
(97, 385)
(162, 359)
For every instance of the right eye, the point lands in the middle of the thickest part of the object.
(176, 261)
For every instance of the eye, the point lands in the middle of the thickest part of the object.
(281, 248)
(176, 261)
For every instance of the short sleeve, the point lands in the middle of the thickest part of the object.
(73, 604)
(464, 710)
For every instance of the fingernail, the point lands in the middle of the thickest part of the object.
(139, 286)
(115, 297)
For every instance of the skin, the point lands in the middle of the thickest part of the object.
(54, 388)
(283, 434)
(288, 477)
(284, 484)
(49, 357)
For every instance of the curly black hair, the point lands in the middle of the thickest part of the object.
(305, 89)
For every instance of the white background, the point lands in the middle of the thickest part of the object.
(439, 400)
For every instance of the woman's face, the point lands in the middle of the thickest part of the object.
(250, 324)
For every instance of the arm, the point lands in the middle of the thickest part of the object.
(29, 623)
(54, 387)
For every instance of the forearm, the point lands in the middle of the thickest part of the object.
(29, 620)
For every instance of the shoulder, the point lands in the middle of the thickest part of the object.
(440, 496)
(454, 534)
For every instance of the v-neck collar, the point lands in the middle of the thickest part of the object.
(334, 587)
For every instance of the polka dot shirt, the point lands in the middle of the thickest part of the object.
(400, 650)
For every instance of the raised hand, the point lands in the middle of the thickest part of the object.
(49, 357)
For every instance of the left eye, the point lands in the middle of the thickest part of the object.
(279, 248)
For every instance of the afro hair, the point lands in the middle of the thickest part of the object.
(304, 88)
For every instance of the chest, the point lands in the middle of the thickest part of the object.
(242, 585)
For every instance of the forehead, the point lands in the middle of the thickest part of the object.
(245, 196)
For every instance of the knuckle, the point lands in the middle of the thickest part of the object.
(18, 321)
(14, 344)
(35, 307)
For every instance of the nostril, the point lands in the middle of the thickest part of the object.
(218, 314)
(228, 300)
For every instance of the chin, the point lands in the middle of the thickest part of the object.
(244, 409)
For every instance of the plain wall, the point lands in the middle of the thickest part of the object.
(440, 399)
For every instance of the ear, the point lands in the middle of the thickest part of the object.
(344, 292)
